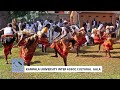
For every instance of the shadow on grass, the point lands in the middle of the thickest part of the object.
(1, 57)
(84, 51)
(48, 50)
(35, 62)
(116, 48)
(115, 56)
(39, 53)
(93, 56)
(114, 52)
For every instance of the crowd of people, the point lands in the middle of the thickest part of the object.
(62, 36)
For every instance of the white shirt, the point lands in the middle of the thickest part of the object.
(100, 26)
(39, 26)
(92, 35)
(46, 22)
(76, 28)
(32, 26)
(27, 26)
(93, 23)
(88, 26)
(8, 31)
(69, 35)
(19, 25)
(60, 24)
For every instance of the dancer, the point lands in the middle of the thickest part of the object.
(61, 43)
(27, 43)
(8, 39)
(108, 45)
(43, 37)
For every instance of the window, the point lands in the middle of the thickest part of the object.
(110, 16)
(97, 16)
(81, 16)
(89, 16)
(104, 16)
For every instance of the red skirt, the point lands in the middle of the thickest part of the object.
(44, 41)
(58, 47)
(84, 40)
(7, 49)
(97, 40)
(27, 53)
(27, 56)
(80, 40)
(107, 46)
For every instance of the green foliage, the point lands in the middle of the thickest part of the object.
(16, 14)
(26, 14)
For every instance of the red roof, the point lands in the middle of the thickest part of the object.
(116, 12)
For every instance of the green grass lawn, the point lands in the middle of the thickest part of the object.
(111, 67)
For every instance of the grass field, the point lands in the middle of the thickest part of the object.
(111, 67)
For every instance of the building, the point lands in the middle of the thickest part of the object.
(102, 16)
(57, 12)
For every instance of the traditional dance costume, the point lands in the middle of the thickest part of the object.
(43, 39)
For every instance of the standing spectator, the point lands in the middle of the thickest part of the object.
(36, 26)
(57, 18)
(27, 26)
(20, 25)
(99, 23)
(46, 22)
(50, 33)
(94, 23)
(40, 26)
(60, 23)
(88, 26)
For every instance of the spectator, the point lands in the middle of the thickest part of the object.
(60, 23)
(88, 26)
(94, 23)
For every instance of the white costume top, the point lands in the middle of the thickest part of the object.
(76, 28)
(69, 35)
(8, 31)
(92, 35)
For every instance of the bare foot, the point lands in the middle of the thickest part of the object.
(6, 62)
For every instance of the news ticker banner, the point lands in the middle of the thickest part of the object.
(62, 68)
(18, 66)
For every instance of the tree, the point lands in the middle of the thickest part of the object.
(4, 18)
(7, 16)
(16, 14)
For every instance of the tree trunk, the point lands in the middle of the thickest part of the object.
(4, 18)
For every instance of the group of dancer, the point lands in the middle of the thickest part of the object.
(68, 37)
